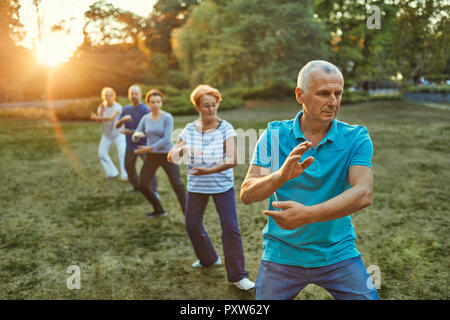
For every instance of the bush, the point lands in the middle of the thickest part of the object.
(77, 111)
(25, 113)
(181, 104)
(177, 79)
(237, 92)
(176, 102)
(375, 84)
(437, 77)
(430, 89)
(361, 96)
(354, 97)
(275, 91)
(167, 90)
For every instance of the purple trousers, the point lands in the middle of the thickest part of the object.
(231, 237)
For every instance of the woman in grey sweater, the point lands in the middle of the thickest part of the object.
(157, 126)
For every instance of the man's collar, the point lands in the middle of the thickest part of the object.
(330, 136)
(297, 131)
(332, 132)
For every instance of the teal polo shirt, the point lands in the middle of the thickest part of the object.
(323, 243)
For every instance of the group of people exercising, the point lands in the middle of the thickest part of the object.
(314, 169)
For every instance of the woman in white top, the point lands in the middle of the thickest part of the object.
(108, 113)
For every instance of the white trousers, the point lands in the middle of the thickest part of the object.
(105, 160)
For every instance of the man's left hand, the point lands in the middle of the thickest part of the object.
(293, 216)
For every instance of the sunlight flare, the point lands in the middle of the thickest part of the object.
(55, 49)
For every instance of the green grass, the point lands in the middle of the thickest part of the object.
(57, 210)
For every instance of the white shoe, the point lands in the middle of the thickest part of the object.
(197, 263)
(245, 284)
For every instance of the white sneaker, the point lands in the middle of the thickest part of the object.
(245, 284)
(197, 263)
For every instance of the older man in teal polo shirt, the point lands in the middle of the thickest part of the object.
(316, 172)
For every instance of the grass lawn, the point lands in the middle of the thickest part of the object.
(57, 209)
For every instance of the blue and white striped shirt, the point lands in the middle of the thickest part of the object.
(212, 146)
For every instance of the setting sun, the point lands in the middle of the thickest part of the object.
(57, 45)
(55, 50)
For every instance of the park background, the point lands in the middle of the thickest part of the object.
(57, 209)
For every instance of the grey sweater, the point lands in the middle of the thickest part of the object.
(158, 132)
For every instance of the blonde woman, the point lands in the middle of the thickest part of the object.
(108, 113)
(210, 143)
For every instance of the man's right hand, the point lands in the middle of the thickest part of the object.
(291, 168)
(260, 183)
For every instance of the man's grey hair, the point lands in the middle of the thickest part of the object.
(135, 86)
(304, 76)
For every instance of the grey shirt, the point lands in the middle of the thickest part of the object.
(158, 132)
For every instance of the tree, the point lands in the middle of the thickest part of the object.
(413, 39)
(191, 41)
(280, 37)
(363, 54)
(422, 40)
(36, 4)
(108, 25)
(13, 59)
(248, 42)
(167, 15)
(95, 67)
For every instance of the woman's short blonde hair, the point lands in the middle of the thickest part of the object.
(105, 89)
(204, 90)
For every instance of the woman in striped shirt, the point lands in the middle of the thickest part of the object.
(210, 144)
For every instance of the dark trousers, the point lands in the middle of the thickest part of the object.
(231, 237)
(130, 166)
(151, 164)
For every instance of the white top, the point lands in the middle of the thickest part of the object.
(109, 127)
(212, 146)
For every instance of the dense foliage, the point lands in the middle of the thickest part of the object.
(240, 45)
